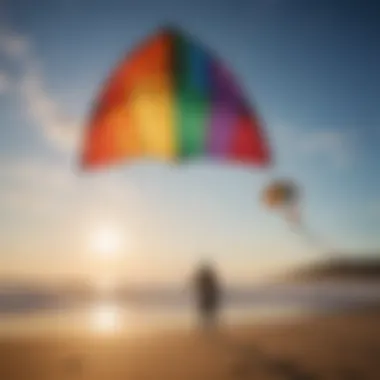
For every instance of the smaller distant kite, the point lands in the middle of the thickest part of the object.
(283, 196)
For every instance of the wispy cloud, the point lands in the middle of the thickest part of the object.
(336, 146)
(54, 125)
(13, 45)
(327, 144)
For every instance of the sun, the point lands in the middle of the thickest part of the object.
(107, 241)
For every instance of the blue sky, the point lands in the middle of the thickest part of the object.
(310, 67)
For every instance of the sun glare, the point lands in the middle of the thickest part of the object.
(106, 318)
(105, 284)
(107, 242)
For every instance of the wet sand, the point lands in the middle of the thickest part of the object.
(329, 347)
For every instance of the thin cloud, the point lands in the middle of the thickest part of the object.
(13, 45)
(334, 145)
(330, 145)
(54, 125)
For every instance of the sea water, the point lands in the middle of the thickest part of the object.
(24, 313)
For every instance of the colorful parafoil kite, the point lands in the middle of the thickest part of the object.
(172, 99)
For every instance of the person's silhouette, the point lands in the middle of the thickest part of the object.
(207, 292)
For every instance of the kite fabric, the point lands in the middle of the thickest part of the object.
(280, 193)
(284, 196)
(172, 99)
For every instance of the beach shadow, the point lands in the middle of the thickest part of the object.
(250, 358)
(73, 366)
(289, 370)
(351, 374)
(240, 370)
(284, 369)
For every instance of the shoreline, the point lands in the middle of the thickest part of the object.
(87, 322)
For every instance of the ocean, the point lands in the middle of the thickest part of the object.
(23, 311)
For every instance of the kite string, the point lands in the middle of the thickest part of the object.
(297, 225)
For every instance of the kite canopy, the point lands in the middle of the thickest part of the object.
(172, 99)
(280, 194)
(284, 196)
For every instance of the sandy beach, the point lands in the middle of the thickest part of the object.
(343, 347)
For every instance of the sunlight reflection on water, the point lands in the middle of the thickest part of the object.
(106, 318)
(109, 316)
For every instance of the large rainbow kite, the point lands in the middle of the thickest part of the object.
(172, 99)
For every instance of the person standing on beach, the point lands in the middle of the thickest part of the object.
(207, 292)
